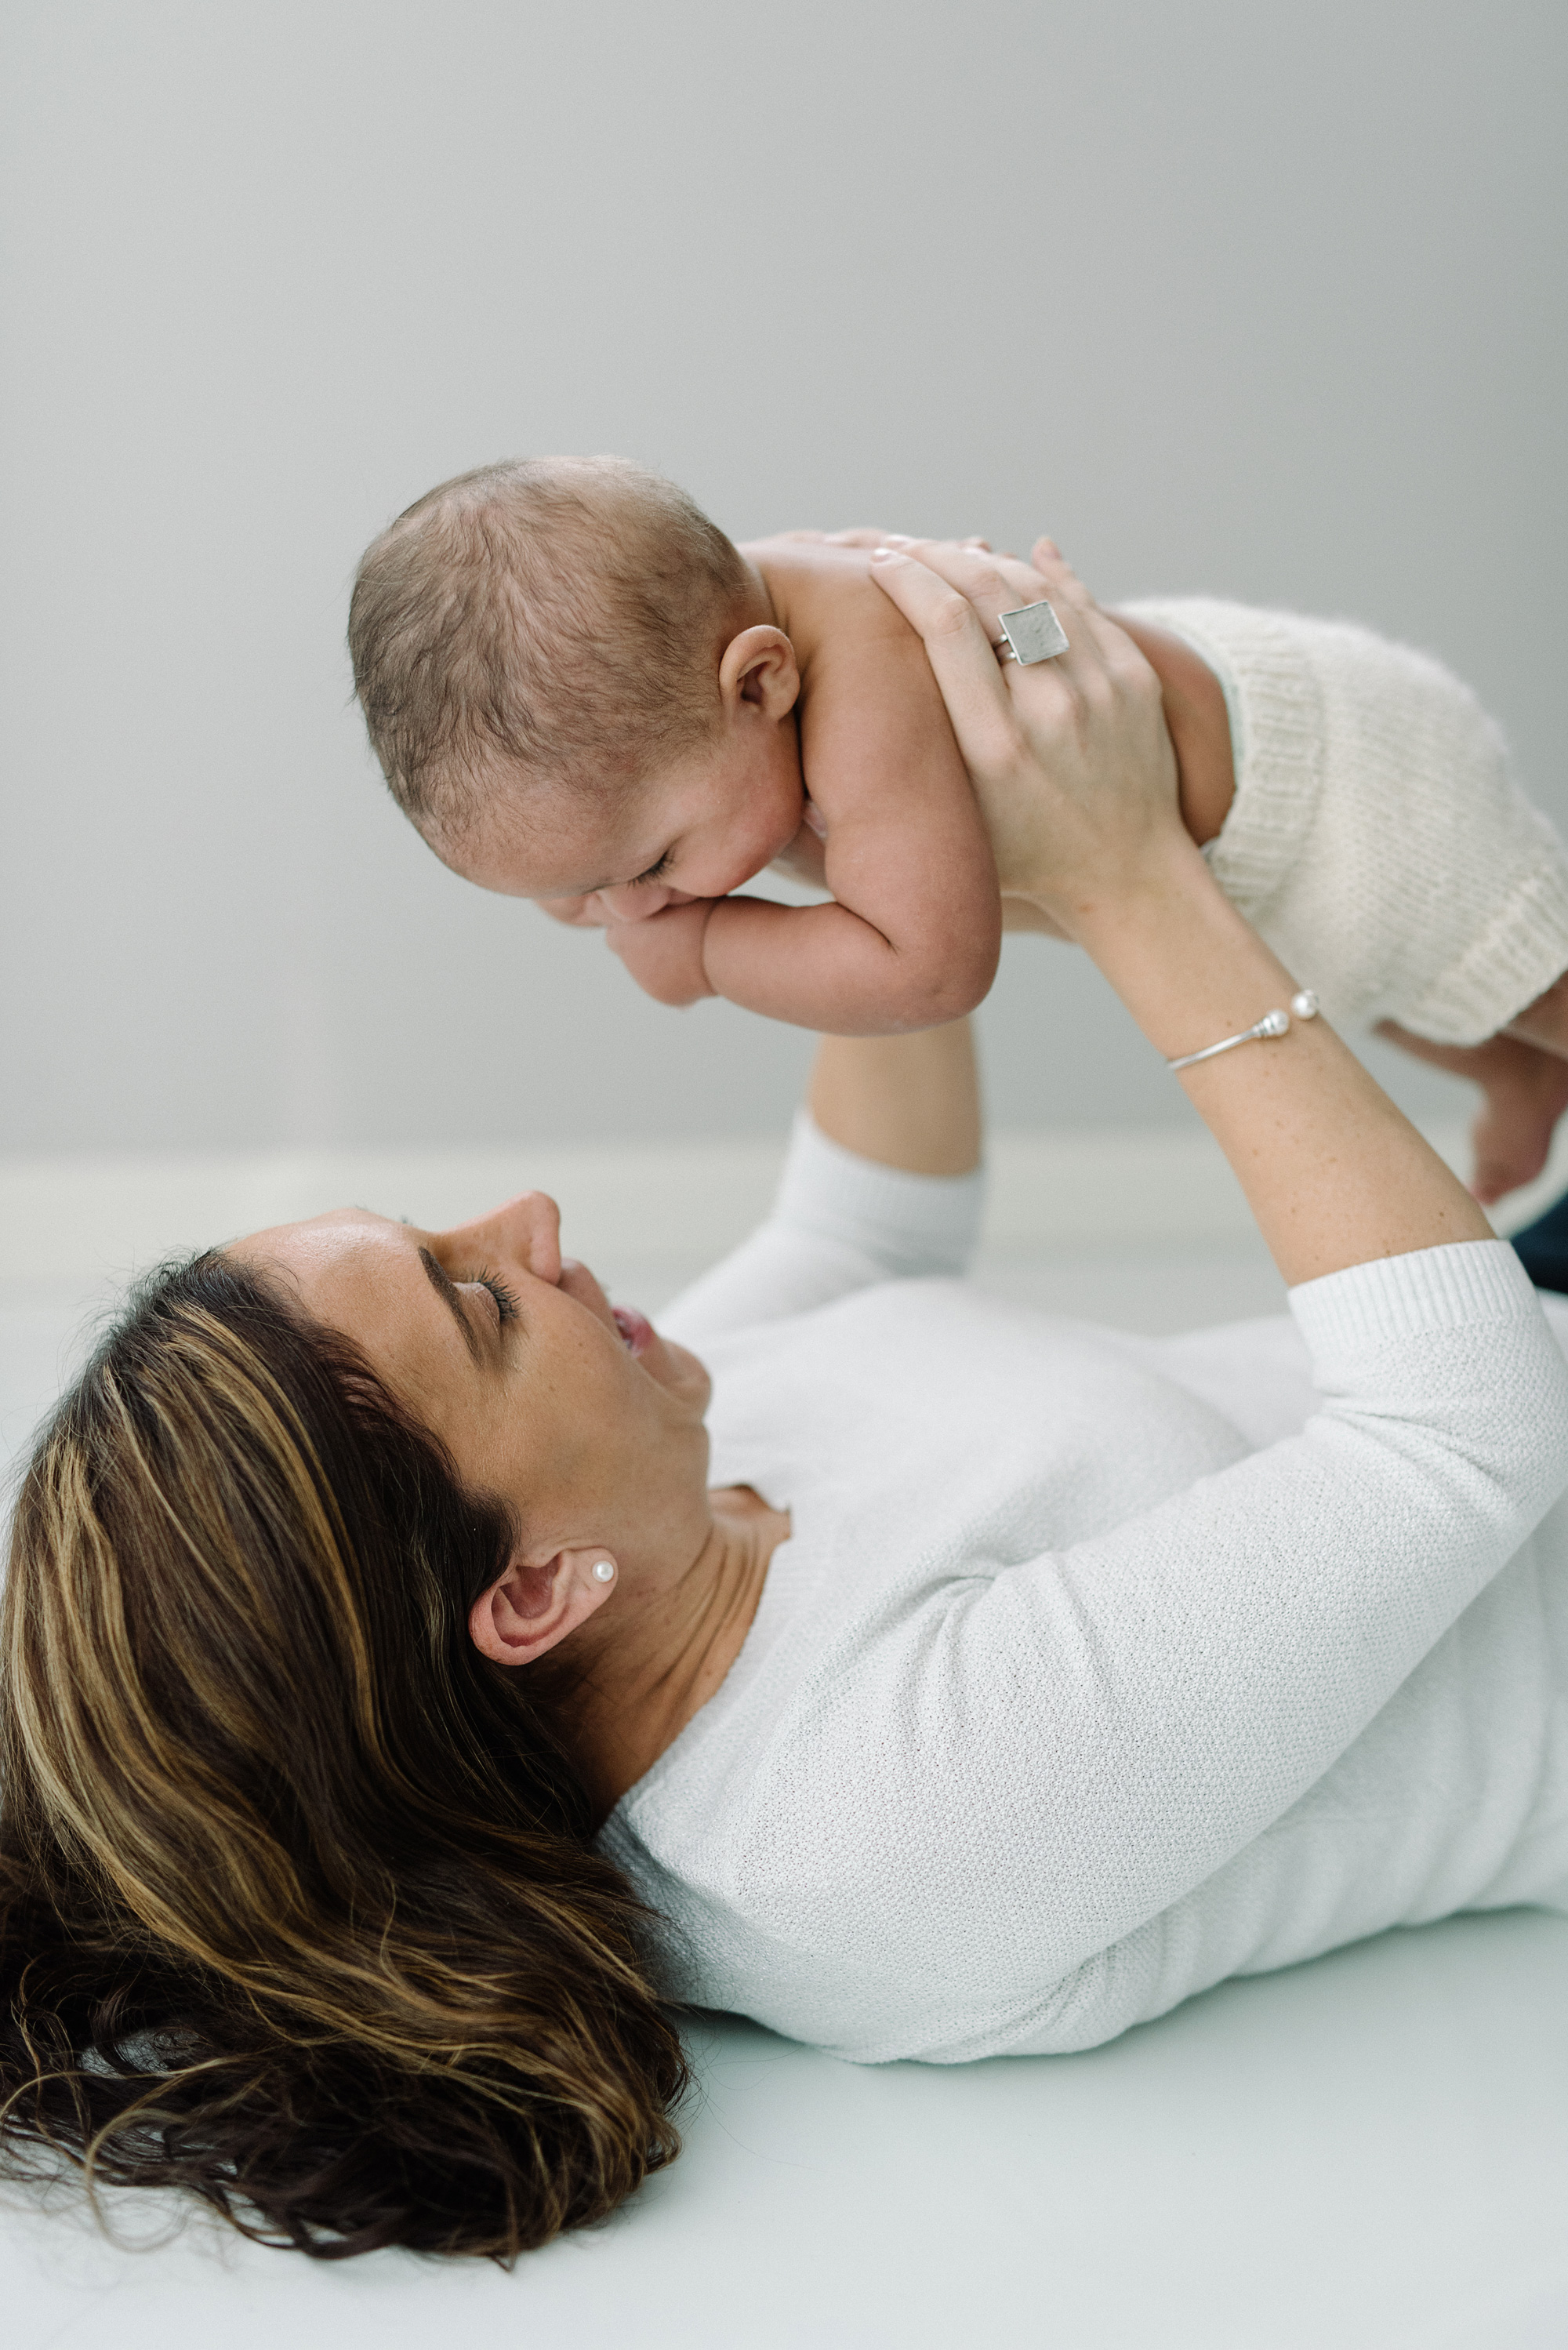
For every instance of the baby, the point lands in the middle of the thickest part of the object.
(582, 693)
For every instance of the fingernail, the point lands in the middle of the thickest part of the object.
(883, 554)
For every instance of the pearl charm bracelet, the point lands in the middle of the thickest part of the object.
(1273, 1023)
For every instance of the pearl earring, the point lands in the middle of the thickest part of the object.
(604, 1570)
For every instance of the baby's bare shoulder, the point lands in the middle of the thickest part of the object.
(826, 601)
(872, 718)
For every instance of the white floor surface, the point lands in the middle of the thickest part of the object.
(1370, 2153)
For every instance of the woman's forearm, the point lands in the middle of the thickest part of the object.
(912, 1102)
(1333, 1173)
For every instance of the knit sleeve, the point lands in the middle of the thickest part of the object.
(840, 1222)
(1377, 839)
(1026, 1766)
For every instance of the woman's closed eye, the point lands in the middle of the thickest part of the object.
(506, 1298)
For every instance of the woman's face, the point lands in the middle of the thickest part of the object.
(577, 1416)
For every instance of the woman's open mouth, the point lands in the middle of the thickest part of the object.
(635, 1328)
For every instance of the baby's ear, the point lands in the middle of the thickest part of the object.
(759, 670)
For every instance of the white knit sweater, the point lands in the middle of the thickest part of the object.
(1098, 1668)
(1377, 840)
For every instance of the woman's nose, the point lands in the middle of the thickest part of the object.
(527, 1229)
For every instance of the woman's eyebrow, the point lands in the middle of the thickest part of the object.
(440, 1282)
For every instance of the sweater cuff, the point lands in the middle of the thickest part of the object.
(1454, 1286)
(911, 1224)
(1515, 959)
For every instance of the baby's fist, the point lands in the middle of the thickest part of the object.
(664, 952)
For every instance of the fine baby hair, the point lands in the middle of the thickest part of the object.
(561, 617)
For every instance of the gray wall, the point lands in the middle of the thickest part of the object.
(1241, 295)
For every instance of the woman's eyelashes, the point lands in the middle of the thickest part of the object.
(506, 1298)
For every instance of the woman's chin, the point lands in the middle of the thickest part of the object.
(674, 1367)
(684, 1373)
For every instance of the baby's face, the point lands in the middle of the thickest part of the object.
(698, 829)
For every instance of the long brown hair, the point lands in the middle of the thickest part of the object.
(299, 1909)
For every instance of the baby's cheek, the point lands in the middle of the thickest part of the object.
(775, 823)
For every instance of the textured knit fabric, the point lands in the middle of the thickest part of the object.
(1097, 1668)
(1377, 840)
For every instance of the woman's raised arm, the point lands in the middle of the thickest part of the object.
(1073, 768)
(882, 1181)
(904, 1102)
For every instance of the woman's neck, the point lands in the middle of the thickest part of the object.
(667, 1643)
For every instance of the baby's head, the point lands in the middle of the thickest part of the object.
(570, 676)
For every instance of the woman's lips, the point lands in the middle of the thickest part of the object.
(634, 1327)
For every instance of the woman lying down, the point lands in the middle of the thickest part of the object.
(404, 1707)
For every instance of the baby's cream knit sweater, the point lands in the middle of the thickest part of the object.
(1377, 839)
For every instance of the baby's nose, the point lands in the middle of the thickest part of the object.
(633, 901)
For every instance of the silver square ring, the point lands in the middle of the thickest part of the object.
(1032, 633)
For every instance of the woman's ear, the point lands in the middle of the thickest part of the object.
(535, 1603)
(759, 669)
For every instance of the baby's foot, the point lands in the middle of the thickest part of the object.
(1513, 1134)
(1526, 1092)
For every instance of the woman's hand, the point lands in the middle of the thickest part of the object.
(1070, 758)
(1073, 766)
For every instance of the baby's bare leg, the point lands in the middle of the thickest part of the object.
(1526, 1091)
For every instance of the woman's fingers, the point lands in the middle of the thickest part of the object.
(979, 703)
(958, 646)
(1003, 575)
(1069, 757)
(993, 583)
(1066, 592)
(865, 534)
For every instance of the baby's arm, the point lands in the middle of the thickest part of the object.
(1196, 721)
(913, 936)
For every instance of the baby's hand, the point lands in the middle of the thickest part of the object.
(664, 952)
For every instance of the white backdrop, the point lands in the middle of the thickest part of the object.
(1263, 299)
